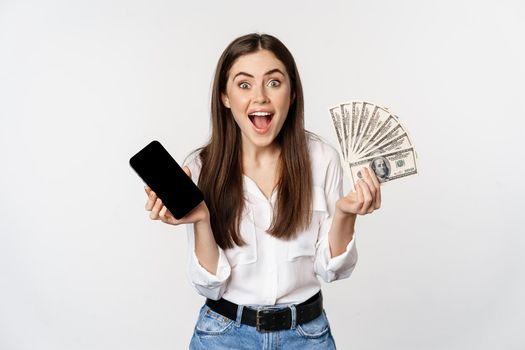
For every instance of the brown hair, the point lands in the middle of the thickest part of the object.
(221, 178)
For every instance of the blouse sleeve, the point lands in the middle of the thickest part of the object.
(207, 284)
(328, 268)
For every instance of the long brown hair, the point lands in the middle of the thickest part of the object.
(221, 178)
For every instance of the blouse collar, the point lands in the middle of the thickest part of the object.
(251, 186)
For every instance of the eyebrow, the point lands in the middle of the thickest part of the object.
(275, 70)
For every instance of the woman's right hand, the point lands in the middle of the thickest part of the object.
(159, 211)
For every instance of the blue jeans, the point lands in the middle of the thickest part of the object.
(216, 332)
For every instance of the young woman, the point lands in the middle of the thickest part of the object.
(274, 215)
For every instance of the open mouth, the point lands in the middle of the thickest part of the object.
(261, 120)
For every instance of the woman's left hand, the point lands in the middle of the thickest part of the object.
(365, 199)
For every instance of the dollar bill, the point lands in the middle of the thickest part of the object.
(392, 134)
(356, 112)
(376, 121)
(345, 124)
(398, 143)
(366, 114)
(361, 120)
(387, 166)
(352, 111)
(390, 124)
(335, 112)
(347, 115)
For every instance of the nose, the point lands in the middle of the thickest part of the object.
(260, 94)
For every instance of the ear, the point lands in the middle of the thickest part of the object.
(292, 100)
(225, 100)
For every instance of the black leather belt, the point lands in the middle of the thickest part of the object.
(265, 320)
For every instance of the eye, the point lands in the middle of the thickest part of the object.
(244, 85)
(274, 83)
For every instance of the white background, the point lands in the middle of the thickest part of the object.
(86, 84)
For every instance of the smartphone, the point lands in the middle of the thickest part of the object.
(157, 168)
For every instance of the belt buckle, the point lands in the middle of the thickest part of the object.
(258, 317)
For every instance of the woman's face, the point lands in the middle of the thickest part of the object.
(258, 93)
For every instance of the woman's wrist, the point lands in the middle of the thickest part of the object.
(204, 218)
(202, 228)
(204, 222)
(345, 219)
(343, 214)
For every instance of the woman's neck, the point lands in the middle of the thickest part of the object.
(263, 165)
(256, 157)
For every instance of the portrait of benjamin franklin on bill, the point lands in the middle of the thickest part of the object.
(381, 166)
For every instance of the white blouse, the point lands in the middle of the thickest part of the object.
(268, 270)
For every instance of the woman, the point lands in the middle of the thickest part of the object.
(274, 215)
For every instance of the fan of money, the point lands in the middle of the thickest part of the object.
(370, 135)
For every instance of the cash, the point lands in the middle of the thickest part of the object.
(371, 136)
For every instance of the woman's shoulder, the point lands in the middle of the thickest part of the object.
(321, 151)
(194, 163)
(324, 159)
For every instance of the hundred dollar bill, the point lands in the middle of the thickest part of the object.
(366, 113)
(387, 166)
(386, 127)
(345, 121)
(335, 112)
(361, 121)
(398, 143)
(353, 112)
(376, 121)
(347, 115)
(392, 134)
(356, 113)
(370, 123)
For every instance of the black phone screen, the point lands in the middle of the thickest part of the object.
(165, 177)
